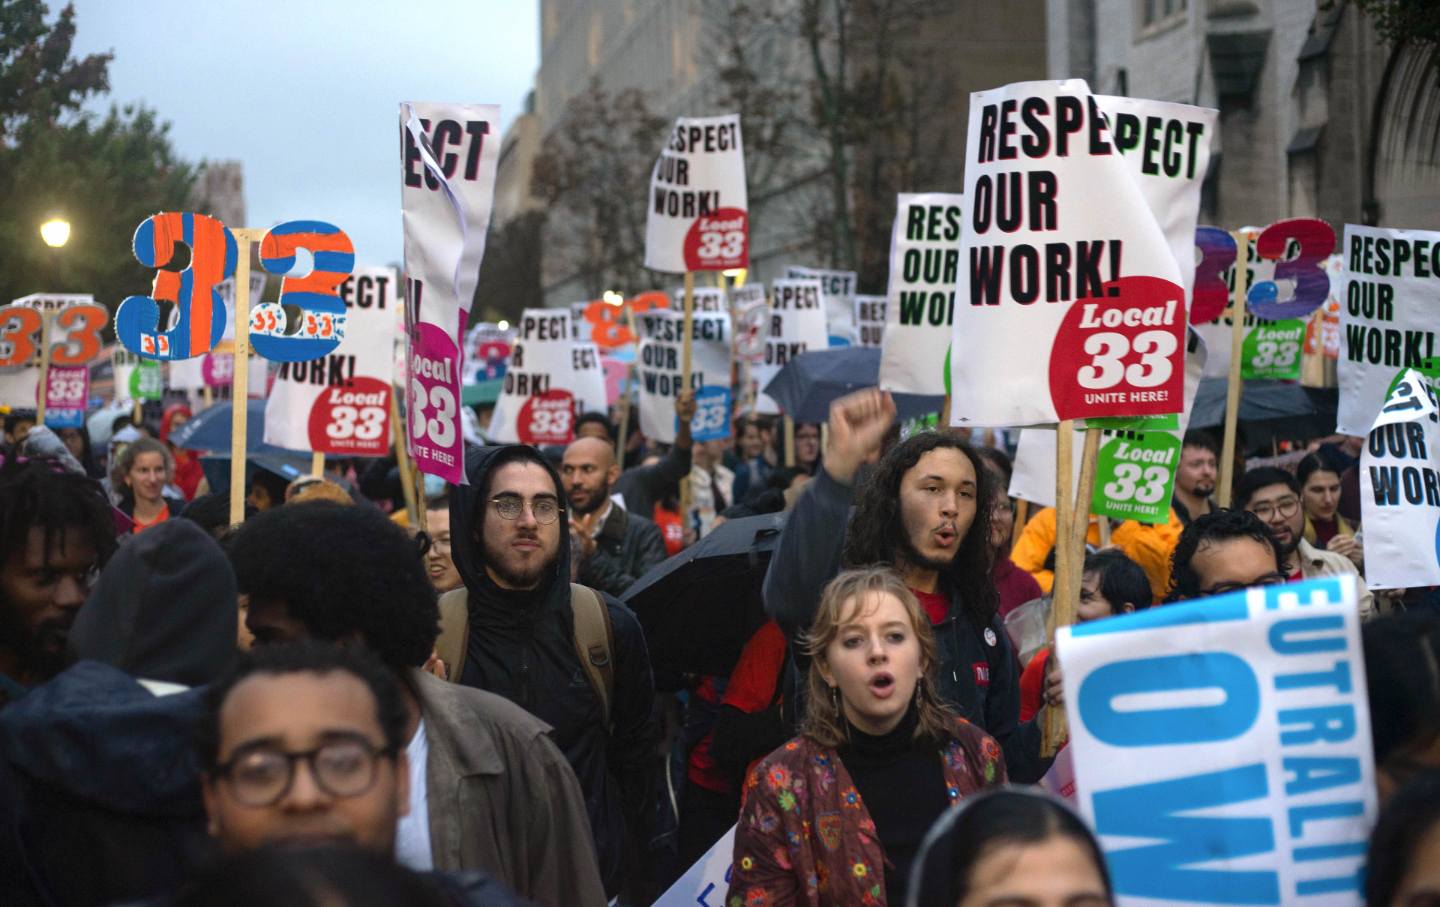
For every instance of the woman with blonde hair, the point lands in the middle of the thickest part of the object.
(836, 815)
(141, 473)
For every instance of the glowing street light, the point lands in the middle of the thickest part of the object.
(55, 232)
(612, 298)
(503, 325)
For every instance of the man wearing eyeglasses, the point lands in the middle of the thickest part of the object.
(519, 629)
(1273, 495)
(1224, 551)
(303, 745)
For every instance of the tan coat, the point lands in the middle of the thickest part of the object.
(1319, 562)
(502, 798)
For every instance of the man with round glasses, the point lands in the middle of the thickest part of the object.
(573, 657)
(1273, 495)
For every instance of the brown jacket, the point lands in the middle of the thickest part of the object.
(502, 798)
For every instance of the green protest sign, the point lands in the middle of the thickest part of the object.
(146, 382)
(1272, 350)
(1135, 475)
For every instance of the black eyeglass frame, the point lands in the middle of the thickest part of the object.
(226, 769)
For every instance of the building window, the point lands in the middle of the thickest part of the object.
(1157, 13)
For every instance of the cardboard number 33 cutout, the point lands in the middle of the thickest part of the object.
(307, 322)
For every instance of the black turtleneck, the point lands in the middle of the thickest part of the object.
(901, 781)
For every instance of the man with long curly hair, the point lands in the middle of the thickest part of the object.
(920, 511)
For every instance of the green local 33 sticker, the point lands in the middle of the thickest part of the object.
(146, 382)
(1135, 475)
(1272, 350)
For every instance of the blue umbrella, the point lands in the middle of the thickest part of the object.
(208, 431)
(810, 382)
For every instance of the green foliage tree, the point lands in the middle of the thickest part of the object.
(103, 174)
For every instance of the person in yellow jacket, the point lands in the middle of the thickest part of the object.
(1149, 546)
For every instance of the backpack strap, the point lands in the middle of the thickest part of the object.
(454, 630)
(594, 644)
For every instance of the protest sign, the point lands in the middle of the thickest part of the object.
(697, 213)
(660, 375)
(74, 330)
(67, 388)
(588, 384)
(135, 378)
(1390, 319)
(1322, 333)
(1222, 746)
(752, 321)
(707, 299)
(1095, 294)
(706, 883)
(1400, 488)
(837, 289)
(924, 265)
(797, 325)
(1271, 350)
(487, 350)
(339, 404)
(870, 320)
(447, 188)
(537, 403)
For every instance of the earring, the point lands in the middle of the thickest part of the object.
(835, 699)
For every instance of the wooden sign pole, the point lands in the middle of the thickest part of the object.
(245, 237)
(789, 440)
(44, 366)
(623, 438)
(317, 463)
(1233, 385)
(686, 351)
(402, 461)
(1062, 594)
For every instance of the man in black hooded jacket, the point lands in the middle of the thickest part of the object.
(509, 541)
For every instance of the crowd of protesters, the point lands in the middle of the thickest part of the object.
(343, 700)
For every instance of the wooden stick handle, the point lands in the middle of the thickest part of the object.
(1063, 595)
(402, 461)
(1233, 385)
(317, 463)
(45, 367)
(245, 237)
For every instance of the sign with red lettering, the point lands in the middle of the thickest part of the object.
(1062, 260)
(544, 370)
(698, 218)
(339, 404)
(447, 186)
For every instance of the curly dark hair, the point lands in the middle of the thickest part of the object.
(876, 534)
(341, 570)
(1217, 526)
(308, 657)
(40, 494)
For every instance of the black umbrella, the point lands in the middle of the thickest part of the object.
(209, 431)
(699, 607)
(1269, 410)
(810, 382)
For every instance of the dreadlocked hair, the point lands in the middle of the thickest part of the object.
(41, 494)
(876, 534)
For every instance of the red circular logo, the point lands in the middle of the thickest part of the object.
(719, 241)
(352, 420)
(1121, 353)
(547, 418)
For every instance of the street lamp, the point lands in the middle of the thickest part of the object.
(55, 232)
(611, 297)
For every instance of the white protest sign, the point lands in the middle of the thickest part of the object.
(837, 288)
(1222, 746)
(537, 402)
(706, 883)
(339, 404)
(446, 190)
(704, 299)
(53, 302)
(797, 325)
(924, 265)
(697, 213)
(1390, 318)
(580, 329)
(588, 381)
(487, 350)
(870, 320)
(1400, 488)
(226, 289)
(1062, 261)
(658, 368)
(752, 321)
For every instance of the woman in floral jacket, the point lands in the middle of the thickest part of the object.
(835, 816)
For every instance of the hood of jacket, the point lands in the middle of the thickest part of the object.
(95, 733)
(163, 609)
(167, 419)
(465, 514)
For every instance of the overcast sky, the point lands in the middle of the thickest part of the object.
(306, 93)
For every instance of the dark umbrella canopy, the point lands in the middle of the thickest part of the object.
(209, 431)
(1269, 410)
(700, 607)
(810, 382)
